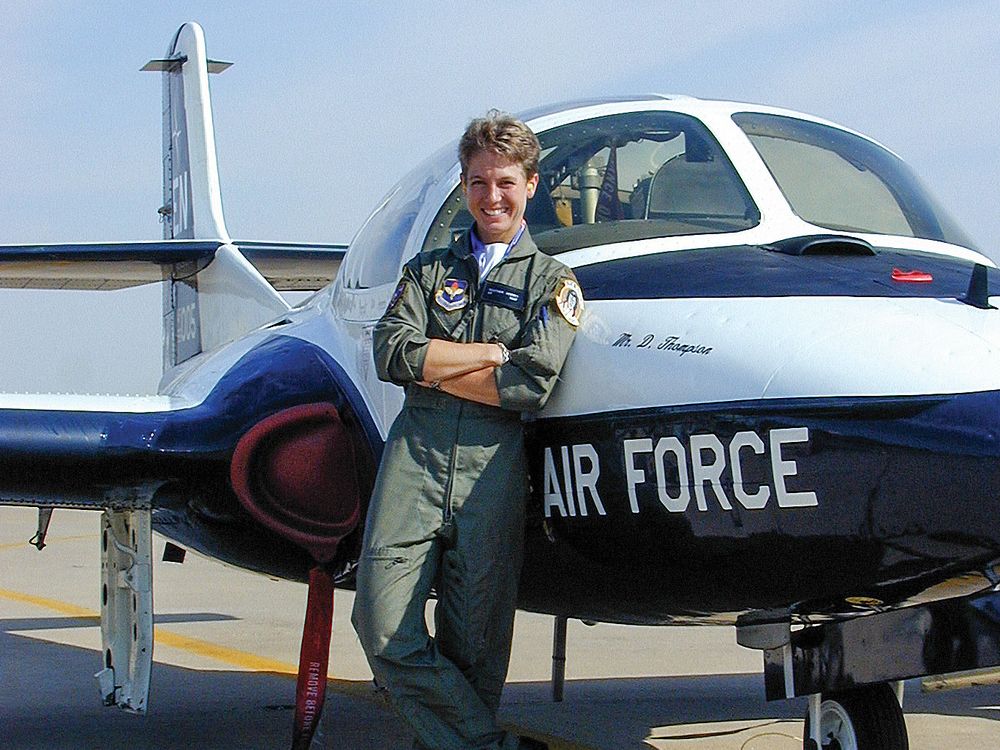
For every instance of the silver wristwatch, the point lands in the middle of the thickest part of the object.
(504, 351)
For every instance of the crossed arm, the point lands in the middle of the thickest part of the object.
(474, 371)
(464, 370)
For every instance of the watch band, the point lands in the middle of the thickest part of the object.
(504, 352)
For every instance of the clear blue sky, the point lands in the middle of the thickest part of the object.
(329, 103)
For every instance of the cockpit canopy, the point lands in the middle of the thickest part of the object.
(838, 180)
(660, 173)
(624, 177)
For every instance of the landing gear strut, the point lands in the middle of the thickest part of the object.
(866, 718)
(851, 666)
(126, 608)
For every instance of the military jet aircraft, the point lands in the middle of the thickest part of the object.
(782, 411)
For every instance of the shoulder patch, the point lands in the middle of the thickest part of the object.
(396, 296)
(569, 301)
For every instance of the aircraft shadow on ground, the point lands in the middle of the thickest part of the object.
(49, 699)
(57, 623)
(634, 709)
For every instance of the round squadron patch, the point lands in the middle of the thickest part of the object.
(569, 301)
(452, 294)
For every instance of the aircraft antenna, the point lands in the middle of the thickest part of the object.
(979, 293)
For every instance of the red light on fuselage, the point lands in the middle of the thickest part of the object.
(912, 277)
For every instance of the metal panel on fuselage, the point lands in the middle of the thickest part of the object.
(730, 324)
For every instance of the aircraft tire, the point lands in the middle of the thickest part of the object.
(868, 718)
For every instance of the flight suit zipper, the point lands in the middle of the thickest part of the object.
(467, 335)
(448, 510)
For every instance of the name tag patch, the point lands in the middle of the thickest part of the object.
(452, 295)
(503, 296)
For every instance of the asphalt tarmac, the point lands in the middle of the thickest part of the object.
(227, 644)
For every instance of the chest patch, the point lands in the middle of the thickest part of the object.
(453, 295)
(503, 296)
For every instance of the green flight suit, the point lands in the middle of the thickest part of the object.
(447, 510)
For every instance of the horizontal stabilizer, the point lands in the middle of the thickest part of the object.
(101, 266)
(292, 266)
(172, 64)
(212, 293)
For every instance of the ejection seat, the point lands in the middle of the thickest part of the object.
(701, 192)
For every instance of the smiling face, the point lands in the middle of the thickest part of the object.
(496, 192)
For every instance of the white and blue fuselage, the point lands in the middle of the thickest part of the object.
(787, 370)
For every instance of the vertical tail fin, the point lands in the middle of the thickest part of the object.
(202, 307)
(192, 200)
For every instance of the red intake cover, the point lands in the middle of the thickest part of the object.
(294, 472)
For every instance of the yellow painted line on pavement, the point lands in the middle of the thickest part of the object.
(242, 659)
(63, 608)
(49, 540)
(233, 657)
(224, 654)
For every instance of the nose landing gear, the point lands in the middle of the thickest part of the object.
(866, 718)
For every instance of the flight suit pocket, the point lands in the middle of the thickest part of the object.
(389, 580)
(509, 335)
(449, 305)
(388, 557)
(444, 325)
(502, 324)
(503, 310)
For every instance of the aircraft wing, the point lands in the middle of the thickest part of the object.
(298, 267)
(98, 266)
(287, 266)
(92, 453)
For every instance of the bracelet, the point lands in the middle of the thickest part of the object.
(504, 352)
(435, 386)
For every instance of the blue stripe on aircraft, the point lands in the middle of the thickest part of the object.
(883, 498)
(749, 271)
(161, 253)
(957, 424)
(280, 373)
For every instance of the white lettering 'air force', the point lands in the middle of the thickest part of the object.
(571, 473)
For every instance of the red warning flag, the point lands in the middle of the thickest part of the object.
(314, 658)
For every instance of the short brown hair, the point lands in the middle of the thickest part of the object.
(504, 135)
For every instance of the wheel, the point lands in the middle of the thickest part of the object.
(868, 718)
